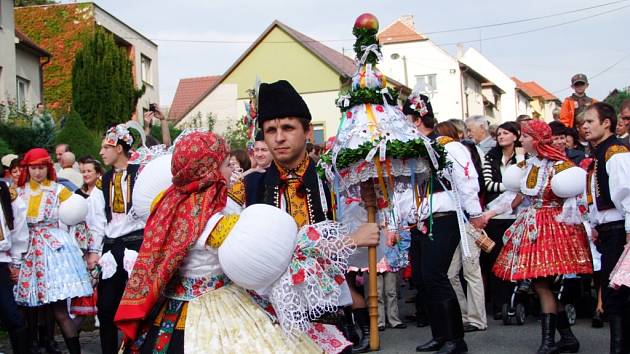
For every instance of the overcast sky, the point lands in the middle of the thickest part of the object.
(549, 56)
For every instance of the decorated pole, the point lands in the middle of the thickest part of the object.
(377, 151)
(369, 200)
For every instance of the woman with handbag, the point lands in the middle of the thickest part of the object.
(497, 160)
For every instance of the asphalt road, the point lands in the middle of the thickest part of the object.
(498, 338)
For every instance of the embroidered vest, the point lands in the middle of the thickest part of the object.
(132, 172)
(602, 153)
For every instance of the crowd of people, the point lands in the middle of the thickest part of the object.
(205, 269)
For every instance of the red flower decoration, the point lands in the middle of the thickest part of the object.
(339, 279)
(582, 209)
(298, 277)
(335, 343)
(382, 203)
(312, 234)
(318, 327)
(349, 115)
(380, 108)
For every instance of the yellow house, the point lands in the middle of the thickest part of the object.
(543, 103)
(280, 53)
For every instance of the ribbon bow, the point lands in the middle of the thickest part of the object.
(372, 48)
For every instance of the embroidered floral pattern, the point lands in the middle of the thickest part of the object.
(186, 289)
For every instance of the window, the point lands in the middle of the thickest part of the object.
(145, 64)
(22, 92)
(426, 83)
(318, 134)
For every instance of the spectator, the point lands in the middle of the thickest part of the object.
(59, 150)
(148, 122)
(624, 120)
(67, 162)
(582, 144)
(576, 104)
(478, 129)
(493, 131)
(460, 126)
(313, 151)
(497, 160)
(572, 138)
(240, 159)
(6, 167)
(523, 118)
(556, 114)
(559, 134)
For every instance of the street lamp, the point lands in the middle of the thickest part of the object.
(396, 56)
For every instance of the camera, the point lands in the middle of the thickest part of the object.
(153, 107)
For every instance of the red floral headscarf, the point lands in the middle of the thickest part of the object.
(541, 133)
(198, 192)
(36, 157)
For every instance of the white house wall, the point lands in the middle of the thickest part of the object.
(27, 67)
(473, 97)
(425, 58)
(483, 66)
(7, 48)
(142, 46)
(222, 103)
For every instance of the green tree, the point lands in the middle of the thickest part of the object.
(20, 3)
(103, 91)
(236, 135)
(4, 148)
(615, 100)
(81, 140)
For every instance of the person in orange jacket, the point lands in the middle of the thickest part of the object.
(577, 103)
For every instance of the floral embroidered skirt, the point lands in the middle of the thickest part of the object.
(536, 245)
(52, 270)
(225, 320)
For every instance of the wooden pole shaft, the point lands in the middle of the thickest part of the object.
(372, 286)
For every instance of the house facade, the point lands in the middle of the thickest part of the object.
(455, 89)
(542, 102)
(21, 64)
(316, 71)
(62, 27)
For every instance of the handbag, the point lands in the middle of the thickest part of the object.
(483, 241)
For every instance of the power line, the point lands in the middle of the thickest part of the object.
(526, 19)
(538, 29)
(177, 40)
(610, 67)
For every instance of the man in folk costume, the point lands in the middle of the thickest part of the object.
(291, 182)
(123, 230)
(608, 194)
(13, 244)
(438, 233)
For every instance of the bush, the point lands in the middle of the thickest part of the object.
(4, 148)
(81, 140)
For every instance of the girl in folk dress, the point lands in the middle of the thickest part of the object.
(53, 269)
(548, 238)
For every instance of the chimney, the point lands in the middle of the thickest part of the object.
(460, 50)
(408, 21)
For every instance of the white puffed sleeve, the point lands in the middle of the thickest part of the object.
(19, 234)
(618, 168)
(96, 220)
(512, 178)
(569, 182)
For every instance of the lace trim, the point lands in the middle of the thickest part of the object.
(311, 285)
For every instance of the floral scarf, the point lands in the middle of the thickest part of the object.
(198, 192)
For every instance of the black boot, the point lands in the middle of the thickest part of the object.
(20, 341)
(73, 344)
(567, 343)
(453, 328)
(348, 327)
(437, 336)
(615, 322)
(362, 317)
(548, 325)
(47, 342)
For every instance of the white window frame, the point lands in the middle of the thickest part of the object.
(21, 99)
(319, 127)
(146, 73)
(427, 86)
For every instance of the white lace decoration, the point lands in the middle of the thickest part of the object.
(311, 285)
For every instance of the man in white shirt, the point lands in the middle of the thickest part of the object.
(437, 236)
(123, 230)
(608, 192)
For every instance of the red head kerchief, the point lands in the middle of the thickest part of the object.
(541, 133)
(36, 157)
(198, 192)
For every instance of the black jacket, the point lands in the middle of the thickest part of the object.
(492, 172)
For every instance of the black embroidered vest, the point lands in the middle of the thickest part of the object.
(132, 172)
(597, 169)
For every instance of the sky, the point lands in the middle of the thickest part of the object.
(592, 41)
